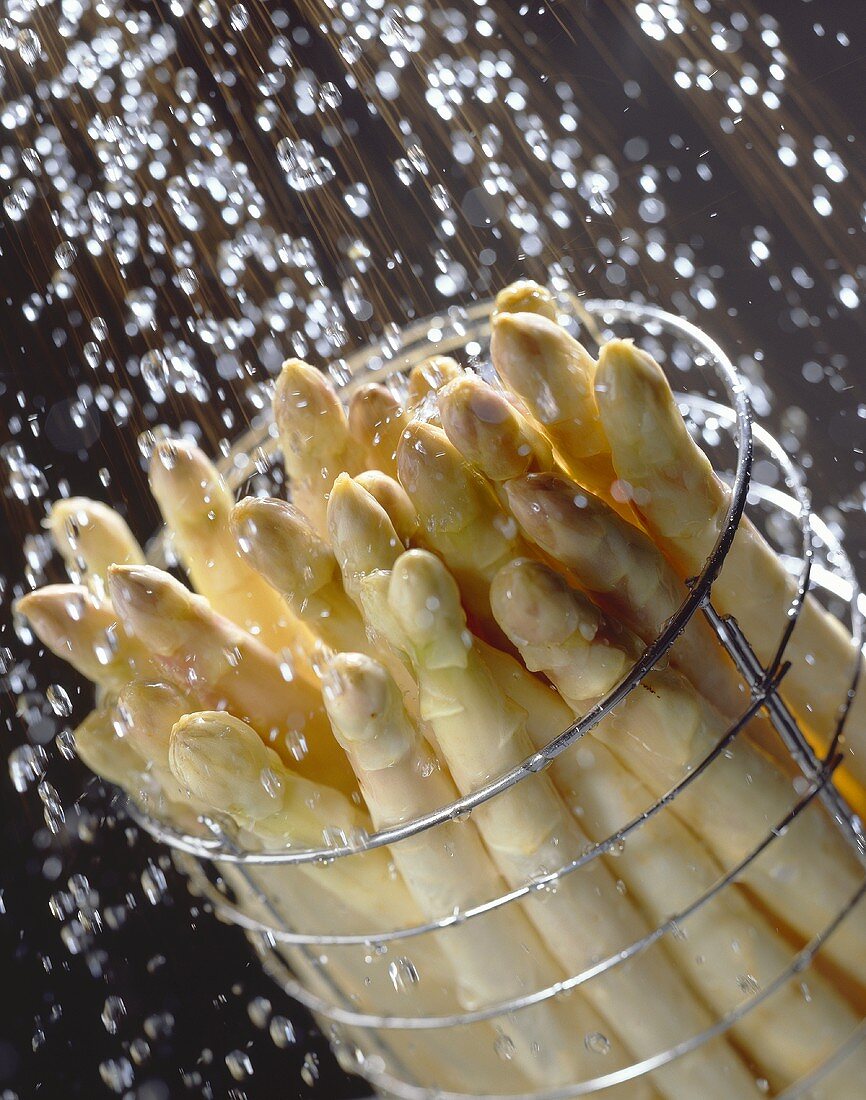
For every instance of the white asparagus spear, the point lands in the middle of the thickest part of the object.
(727, 944)
(146, 712)
(661, 731)
(314, 435)
(624, 570)
(90, 536)
(223, 666)
(196, 505)
(86, 632)
(224, 765)
(491, 432)
(529, 832)
(428, 377)
(365, 543)
(279, 543)
(376, 419)
(683, 504)
(554, 375)
(525, 296)
(460, 517)
(107, 754)
(493, 958)
(102, 742)
(388, 492)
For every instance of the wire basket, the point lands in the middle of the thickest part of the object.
(401, 1045)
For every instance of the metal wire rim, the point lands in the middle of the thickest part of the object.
(608, 311)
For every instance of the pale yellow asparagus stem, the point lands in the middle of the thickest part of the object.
(112, 757)
(365, 544)
(314, 435)
(221, 665)
(528, 831)
(223, 763)
(278, 542)
(196, 505)
(490, 432)
(376, 419)
(525, 296)
(493, 958)
(661, 731)
(624, 570)
(90, 537)
(102, 741)
(554, 375)
(394, 499)
(683, 505)
(146, 713)
(427, 378)
(460, 517)
(666, 869)
(86, 632)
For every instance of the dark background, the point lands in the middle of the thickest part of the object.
(163, 956)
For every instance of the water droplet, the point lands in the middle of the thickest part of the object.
(113, 1012)
(239, 1065)
(304, 170)
(153, 883)
(504, 1046)
(58, 698)
(597, 1043)
(117, 1074)
(239, 17)
(259, 1011)
(27, 765)
(403, 974)
(282, 1032)
(65, 254)
(310, 1069)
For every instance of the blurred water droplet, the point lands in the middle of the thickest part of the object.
(282, 1031)
(113, 1011)
(117, 1074)
(597, 1043)
(65, 254)
(239, 1065)
(27, 765)
(310, 1069)
(403, 974)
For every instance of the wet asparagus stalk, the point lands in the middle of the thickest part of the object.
(661, 731)
(87, 633)
(622, 568)
(196, 505)
(207, 655)
(376, 419)
(667, 868)
(279, 543)
(492, 958)
(528, 831)
(462, 519)
(683, 504)
(555, 376)
(314, 435)
(90, 537)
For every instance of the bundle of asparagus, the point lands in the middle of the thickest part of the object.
(465, 566)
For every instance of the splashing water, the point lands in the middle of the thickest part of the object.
(191, 192)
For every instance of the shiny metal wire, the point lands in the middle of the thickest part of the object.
(468, 330)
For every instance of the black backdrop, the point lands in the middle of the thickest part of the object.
(165, 959)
